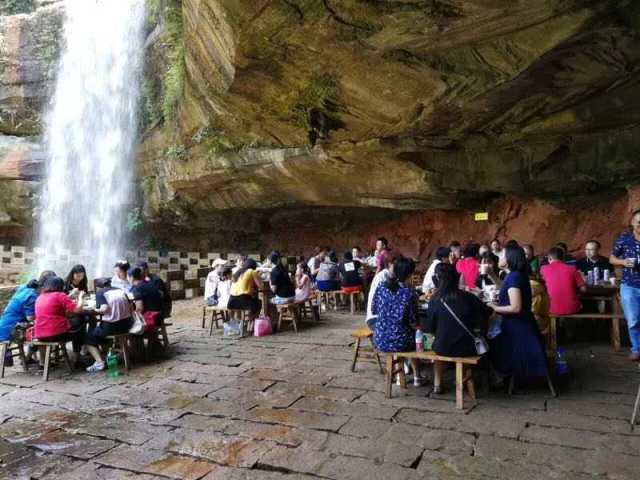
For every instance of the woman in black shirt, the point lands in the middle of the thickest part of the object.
(451, 339)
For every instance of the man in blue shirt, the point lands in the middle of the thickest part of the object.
(20, 309)
(626, 253)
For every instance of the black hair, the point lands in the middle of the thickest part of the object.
(227, 271)
(53, 284)
(516, 259)
(563, 246)
(593, 241)
(356, 248)
(495, 240)
(471, 250)
(274, 257)
(556, 253)
(143, 265)
(454, 243)
(447, 281)
(491, 258)
(442, 253)
(248, 264)
(136, 273)
(348, 256)
(43, 277)
(305, 268)
(403, 268)
(123, 265)
(529, 246)
(69, 285)
(512, 243)
(384, 241)
(104, 282)
(333, 256)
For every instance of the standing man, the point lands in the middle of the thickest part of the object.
(626, 253)
(593, 259)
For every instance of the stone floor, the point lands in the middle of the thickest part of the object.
(288, 407)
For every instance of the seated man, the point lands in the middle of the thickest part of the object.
(593, 259)
(563, 283)
(442, 256)
(147, 298)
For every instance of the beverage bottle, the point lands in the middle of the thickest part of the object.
(112, 364)
(590, 277)
(419, 341)
(428, 343)
(605, 275)
(562, 367)
(596, 275)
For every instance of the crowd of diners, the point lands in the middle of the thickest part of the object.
(60, 310)
(506, 292)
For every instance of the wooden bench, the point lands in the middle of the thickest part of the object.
(52, 347)
(327, 299)
(288, 312)
(355, 300)
(217, 314)
(463, 379)
(121, 343)
(306, 307)
(368, 352)
(6, 346)
(615, 327)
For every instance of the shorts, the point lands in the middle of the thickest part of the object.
(98, 335)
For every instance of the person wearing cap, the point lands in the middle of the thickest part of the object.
(120, 279)
(280, 282)
(442, 256)
(212, 281)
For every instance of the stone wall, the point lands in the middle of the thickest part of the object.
(184, 271)
(5, 295)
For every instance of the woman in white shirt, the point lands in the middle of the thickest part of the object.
(120, 279)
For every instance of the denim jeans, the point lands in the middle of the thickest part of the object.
(630, 298)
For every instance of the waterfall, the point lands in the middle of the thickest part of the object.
(90, 136)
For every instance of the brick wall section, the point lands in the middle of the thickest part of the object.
(185, 272)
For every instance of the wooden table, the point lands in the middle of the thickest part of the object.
(606, 293)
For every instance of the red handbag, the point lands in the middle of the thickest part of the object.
(150, 320)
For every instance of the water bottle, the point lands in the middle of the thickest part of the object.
(606, 275)
(562, 367)
(419, 341)
(590, 277)
(596, 275)
(428, 342)
(112, 364)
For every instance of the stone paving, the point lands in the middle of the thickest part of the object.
(288, 407)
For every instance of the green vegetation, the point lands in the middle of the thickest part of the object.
(135, 220)
(321, 92)
(13, 7)
(201, 135)
(173, 82)
(176, 152)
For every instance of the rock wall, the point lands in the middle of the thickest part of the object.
(267, 122)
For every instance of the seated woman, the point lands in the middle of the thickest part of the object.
(116, 319)
(489, 279)
(75, 283)
(395, 306)
(303, 282)
(451, 339)
(280, 282)
(20, 311)
(350, 274)
(327, 279)
(211, 283)
(120, 279)
(518, 350)
(53, 309)
(245, 288)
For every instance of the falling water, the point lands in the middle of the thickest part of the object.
(91, 133)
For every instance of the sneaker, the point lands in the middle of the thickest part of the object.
(96, 367)
(417, 381)
(407, 368)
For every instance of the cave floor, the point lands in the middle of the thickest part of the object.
(288, 407)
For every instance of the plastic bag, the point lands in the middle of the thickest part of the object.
(232, 327)
(262, 326)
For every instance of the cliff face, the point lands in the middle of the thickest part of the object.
(268, 116)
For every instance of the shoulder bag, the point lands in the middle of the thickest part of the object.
(480, 343)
